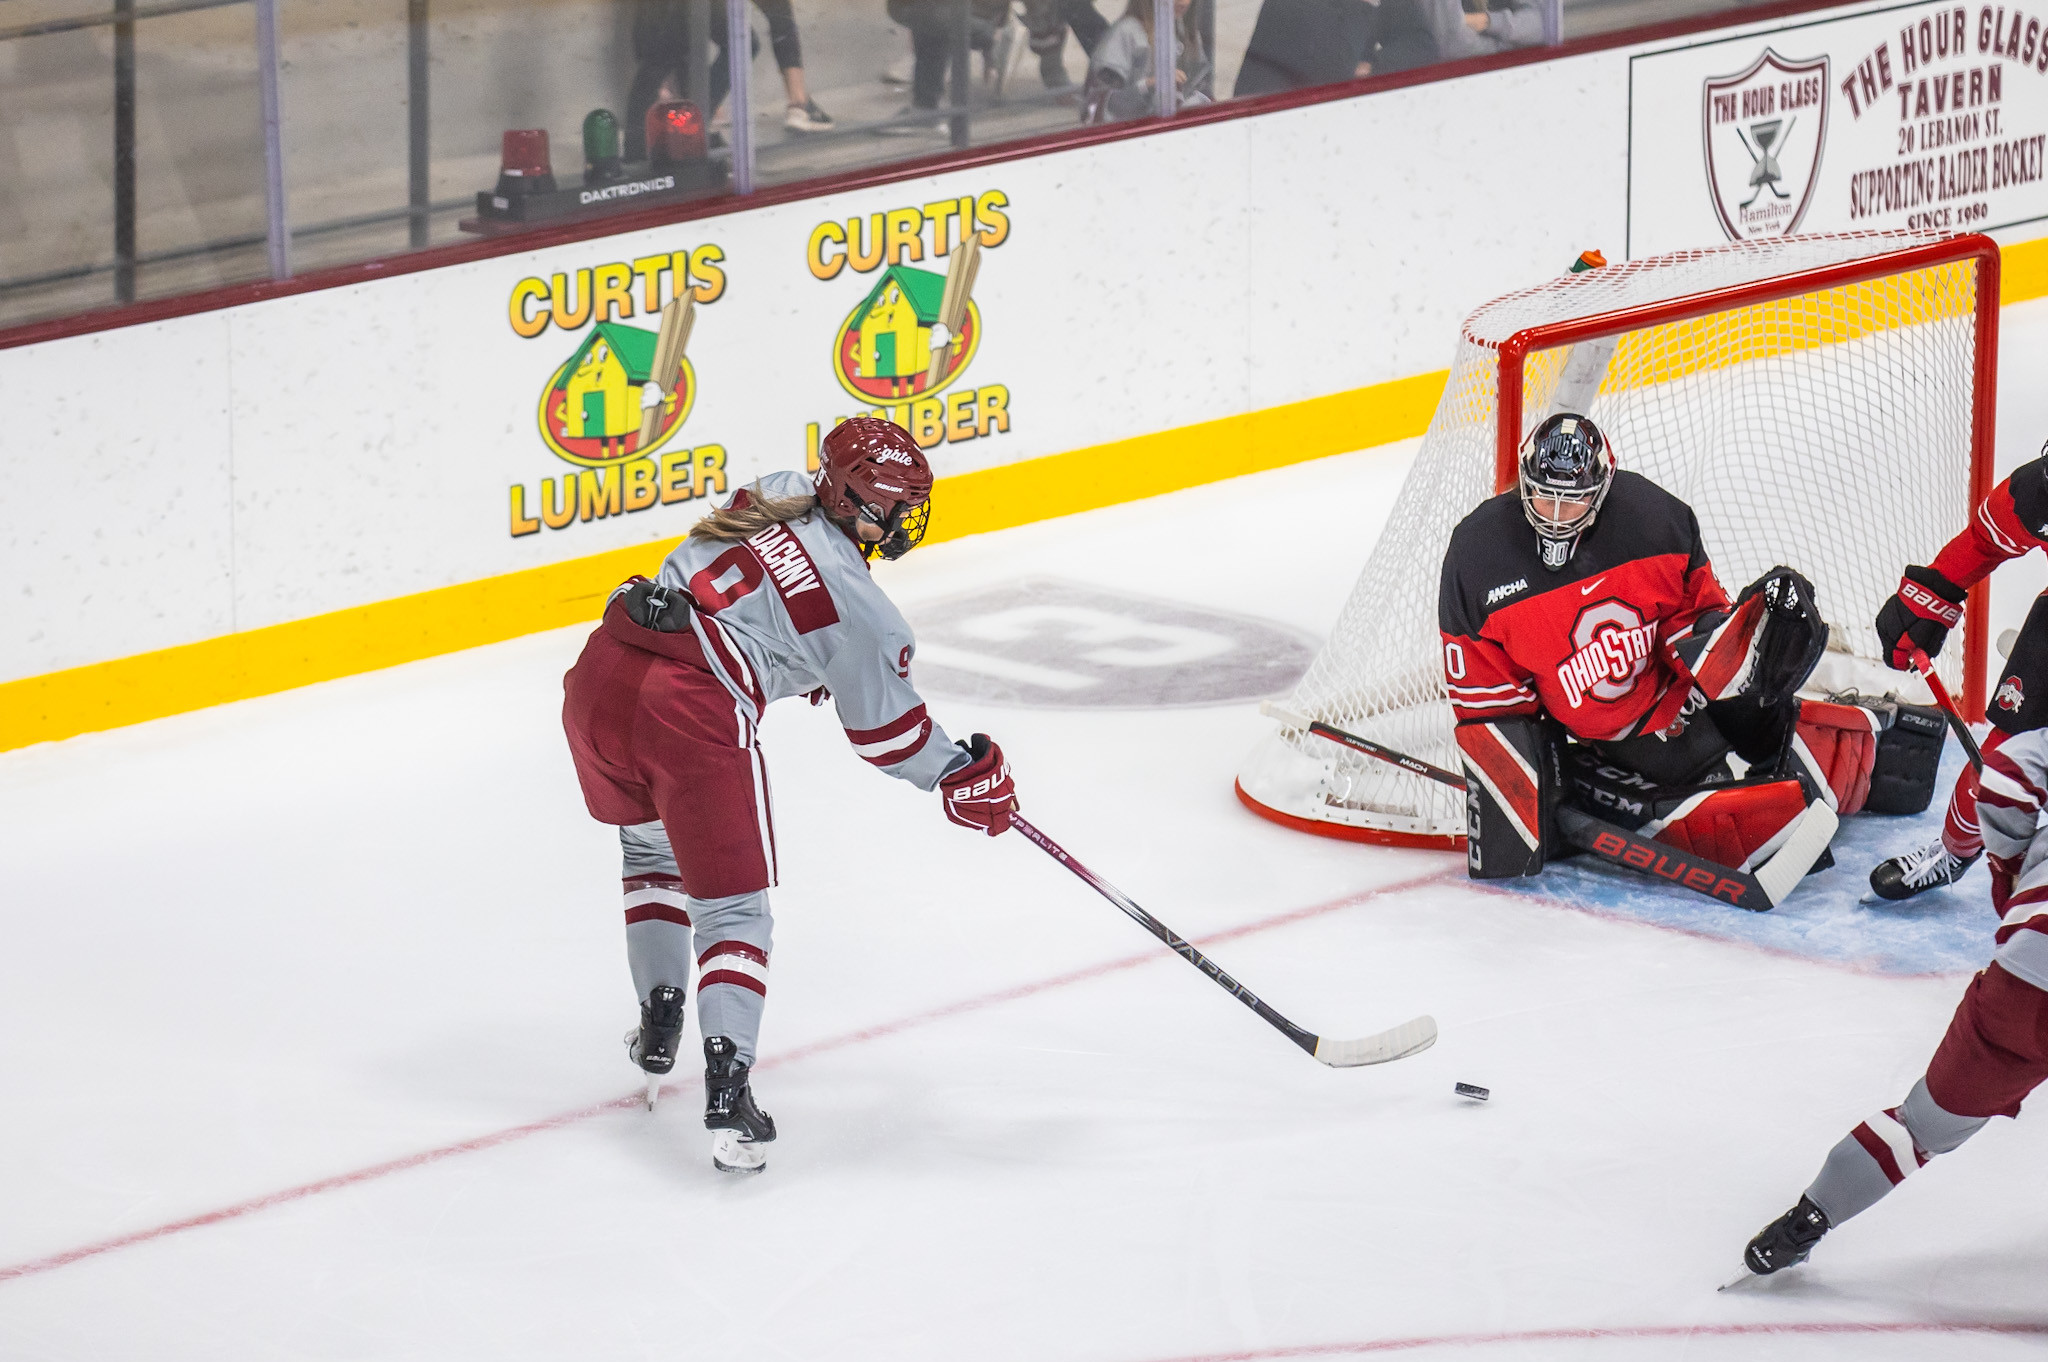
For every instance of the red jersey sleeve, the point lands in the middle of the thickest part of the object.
(1484, 683)
(2013, 519)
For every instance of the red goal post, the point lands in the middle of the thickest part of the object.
(1858, 354)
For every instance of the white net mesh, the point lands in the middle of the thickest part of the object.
(1831, 431)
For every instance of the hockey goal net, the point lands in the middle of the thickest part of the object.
(1820, 401)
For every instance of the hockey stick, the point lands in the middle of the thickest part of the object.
(1372, 749)
(1409, 1038)
(1925, 667)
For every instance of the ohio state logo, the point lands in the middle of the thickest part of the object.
(1613, 650)
(2010, 696)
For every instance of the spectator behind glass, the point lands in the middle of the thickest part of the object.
(661, 44)
(1416, 33)
(1048, 22)
(1120, 68)
(1299, 43)
(931, 24)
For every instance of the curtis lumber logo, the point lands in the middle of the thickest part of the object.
(619, 397)
(913, 331)
(1764, 128)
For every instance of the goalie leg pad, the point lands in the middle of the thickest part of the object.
(1735, 825)
(1510, 796)
(1837, 746)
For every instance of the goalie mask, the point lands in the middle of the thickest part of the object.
(870, 469)
(1566, 469)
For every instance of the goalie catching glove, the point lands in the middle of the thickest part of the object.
(980, 794)
(1919, 615)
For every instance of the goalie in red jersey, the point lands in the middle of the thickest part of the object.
(1593, 660)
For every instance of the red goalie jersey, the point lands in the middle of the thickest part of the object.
(1607, 644)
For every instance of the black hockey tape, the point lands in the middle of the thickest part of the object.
(1473, 1091)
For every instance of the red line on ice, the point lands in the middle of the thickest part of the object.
(491, 1141)
(1639, 1333)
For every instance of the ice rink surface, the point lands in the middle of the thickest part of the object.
(310, 1012)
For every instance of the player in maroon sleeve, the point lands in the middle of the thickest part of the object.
(1591, 656)
(1929, 603)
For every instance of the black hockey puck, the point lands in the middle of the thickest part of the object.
(1473, 1091)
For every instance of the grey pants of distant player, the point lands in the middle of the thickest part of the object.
(731, 945)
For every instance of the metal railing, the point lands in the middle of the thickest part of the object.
(958, 113)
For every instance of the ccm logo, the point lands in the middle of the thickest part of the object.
(982, 787)
(1641, 856)
(1929, 603)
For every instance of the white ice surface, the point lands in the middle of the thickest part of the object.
(287, 940)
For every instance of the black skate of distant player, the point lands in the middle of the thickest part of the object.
(1592, 658)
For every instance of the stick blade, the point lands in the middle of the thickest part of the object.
(1287, 717)
(1409, 1038)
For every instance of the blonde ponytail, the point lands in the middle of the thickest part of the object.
(730, 524)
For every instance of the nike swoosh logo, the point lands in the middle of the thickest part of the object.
(1587, 590)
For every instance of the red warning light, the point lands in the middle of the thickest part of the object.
(525, 154)
(675, 132)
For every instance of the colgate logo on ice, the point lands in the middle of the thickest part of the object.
(1613, 650)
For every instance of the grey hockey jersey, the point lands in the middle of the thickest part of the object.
(2010, 794)
(794, 608)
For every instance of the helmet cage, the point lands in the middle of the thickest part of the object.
(1565, 462)
(902, 527)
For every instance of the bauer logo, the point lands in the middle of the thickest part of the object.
(616, 385)
(916, 322)
(1763, 129)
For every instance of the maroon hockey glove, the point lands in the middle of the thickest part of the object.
(981, 793)
(2004, 870)
(1919, 615)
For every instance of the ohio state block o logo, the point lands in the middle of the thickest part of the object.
(1597, 624)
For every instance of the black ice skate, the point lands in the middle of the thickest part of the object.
(1916, 872)
(653, 1046)
(729, 1109)
(1786, 1240)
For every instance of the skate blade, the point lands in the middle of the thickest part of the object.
(1747, 1276)
(653, 1090)
(731, 1154)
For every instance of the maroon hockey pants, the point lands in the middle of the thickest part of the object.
(1996, 1049)
(654, 735)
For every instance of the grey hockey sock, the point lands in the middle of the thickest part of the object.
(733, 939)
(1883, 1151)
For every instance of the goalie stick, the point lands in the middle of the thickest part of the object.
(1372, 749)
(1925, 667)
(1409, 1038)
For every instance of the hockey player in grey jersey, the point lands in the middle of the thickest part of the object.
(769, 597)
(1996, 1049)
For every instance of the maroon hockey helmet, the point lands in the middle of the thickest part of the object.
(870, 469)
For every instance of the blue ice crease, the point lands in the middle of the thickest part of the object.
(1944, 931)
